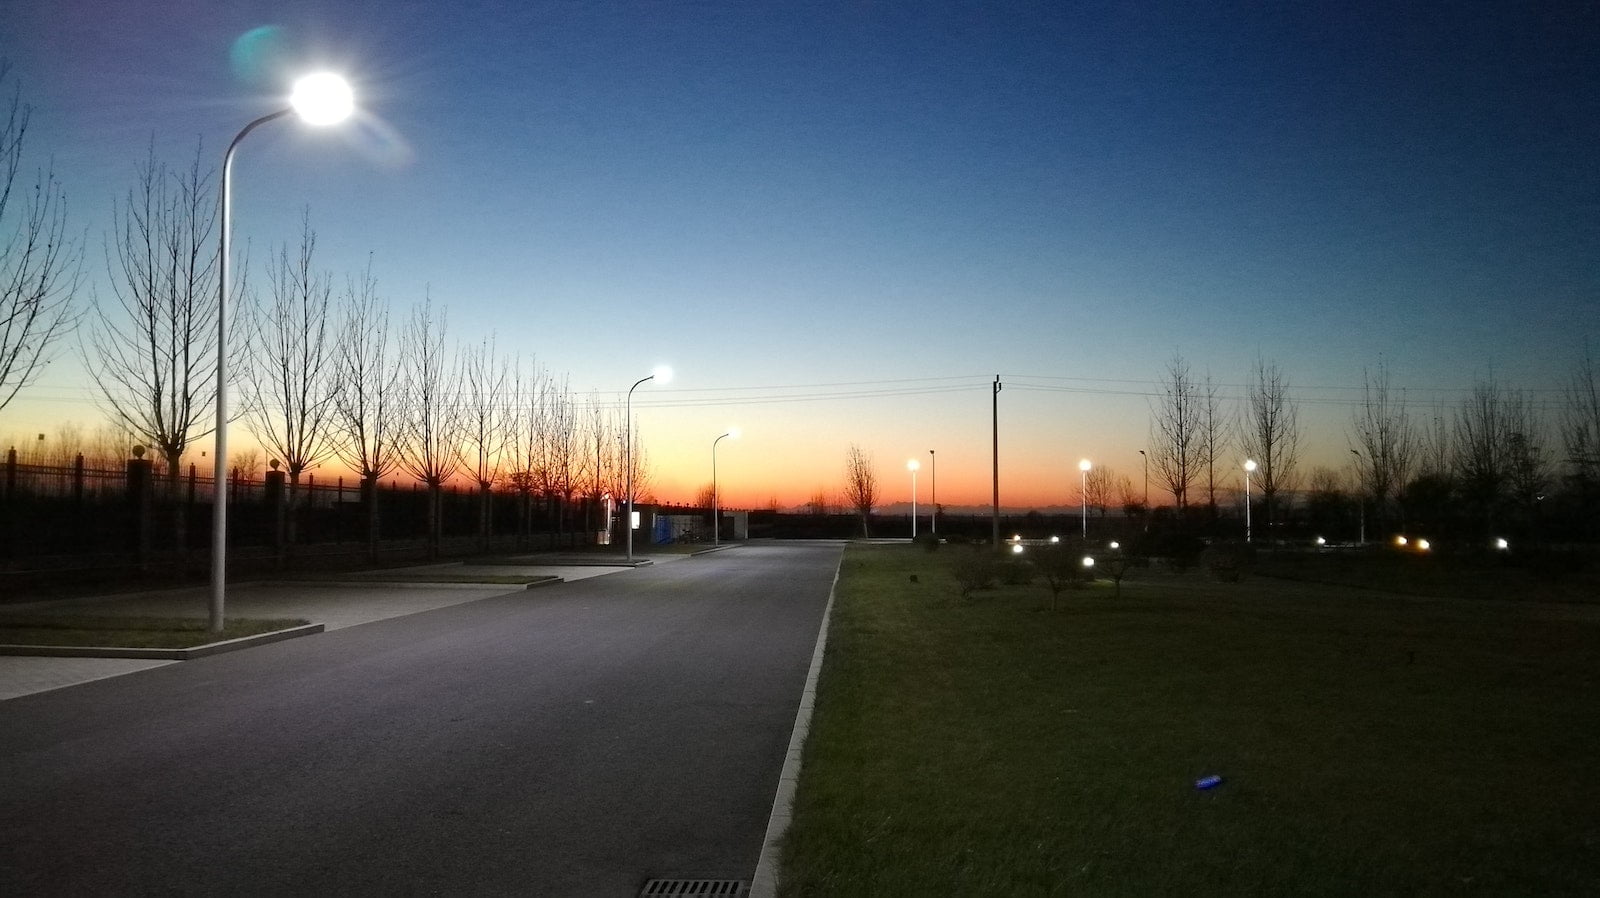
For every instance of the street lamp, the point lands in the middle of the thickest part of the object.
(933, 475)
(716, 513)
(1146, 490)
(662, 374)
(1361, 497)
(1249, 465)
(912, 466)
(320, 99)
(1083, 493)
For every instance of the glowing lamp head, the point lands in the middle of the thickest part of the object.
(1501, 543)
(1321, 541)
(322, 99)
(1084, 465)
(1055, 539)
(1115, 544)
(1399, 540)
(1424, 545)
(661, 374)
(733, 432)
(1249, 464)
(1088, 562)
(1017, 549)
(1016, 538)
(913, 465)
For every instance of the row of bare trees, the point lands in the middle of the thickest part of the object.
(1497, 453)
(324, 371)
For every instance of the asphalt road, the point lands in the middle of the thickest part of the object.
(573, 740)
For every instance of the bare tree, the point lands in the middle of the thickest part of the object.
(563, 461)
(289, 397)
(1580, 424)
(429, 448)
(1097, 485)
(1215, 423)
(525, 433)
(1176, 427)
(1270, 433)
(155, 350)
(365, 433)
(1129, 496)
(1499, 453)
(600, 463)
(39, 263)
(485, 430)
(860, 485)
(1386, 441)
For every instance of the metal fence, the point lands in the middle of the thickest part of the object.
(55, 512)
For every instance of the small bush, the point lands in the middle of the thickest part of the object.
(928, 541)
(974, 571)
(1228, 562)
(1016, 572)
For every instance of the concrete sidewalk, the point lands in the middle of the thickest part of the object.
(334, 603)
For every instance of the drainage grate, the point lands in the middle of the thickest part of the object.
(697, 888)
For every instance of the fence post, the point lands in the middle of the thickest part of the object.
(141, 480)
(274, 502)
(77, 481)
(11, 471)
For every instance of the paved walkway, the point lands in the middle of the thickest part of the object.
(333, 603)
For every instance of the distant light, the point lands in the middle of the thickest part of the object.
(1501, 543)
(1424, 545)
(1087, 561)
(1321, 541)
(322, 99)
(1084, 465)
(1055, 539)
(662, 374)
(1017, 538)
(1399, 540)
(913, 465)
(733, 432)
(1016, 549)
(1115, 544)
(1249, 464)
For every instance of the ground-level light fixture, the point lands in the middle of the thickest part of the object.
(1423, 545)
(1399, 540)
(1115, 544)
(1054, 540)
(320, 99)
(1501, 543)
(1321, 542)
(1016, 549)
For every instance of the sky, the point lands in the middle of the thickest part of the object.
(840, 222)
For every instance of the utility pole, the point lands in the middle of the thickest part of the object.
(933, 465)
(996, 505)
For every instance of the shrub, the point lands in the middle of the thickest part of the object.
(928, 541)
(1228, 561)
(973, 571)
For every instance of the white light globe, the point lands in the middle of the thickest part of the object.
(662, 374)
(913, 465)
(1250, 464)
(322, 99)
(1084, 465)
(733, 432)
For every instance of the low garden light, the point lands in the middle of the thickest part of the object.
(1088, 562)
(1502, 544)
(1115, 544)
(1400, 541)
(1054, 540)
(1423, 545)
(1016, 549)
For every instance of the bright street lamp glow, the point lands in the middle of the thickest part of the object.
(1087, 561)
(913, 465)
(1501, 543)
(1321, 541)
(322, 99)
(1084, 465)
(1399, 540)
(1055, 539)
(1016, 550)
(1115, 544)
(662, 374)
(1249, 464)
(1017, 538)
(1423, 545)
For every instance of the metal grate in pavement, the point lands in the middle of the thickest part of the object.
(695, 888)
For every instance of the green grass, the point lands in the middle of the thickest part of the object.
(128, 632)
(1370, 743)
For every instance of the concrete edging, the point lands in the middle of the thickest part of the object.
(764, 884)
(199, 651)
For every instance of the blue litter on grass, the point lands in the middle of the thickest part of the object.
(1207, 782)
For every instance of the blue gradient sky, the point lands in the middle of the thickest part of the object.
(866, 192)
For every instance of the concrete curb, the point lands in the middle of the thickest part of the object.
(530, 583)
(713, 549)
(764, 884)
(199, 651)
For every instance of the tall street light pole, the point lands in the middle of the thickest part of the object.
(912, 466)
(661, 375)
(933, 475)
(1083, 493)
(996, 506)
(321, 99)
(1146, 490)
(1361, 497)
(716, 508)
(1249, 466)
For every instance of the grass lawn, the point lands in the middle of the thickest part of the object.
(1369, 743)
(127, 632)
